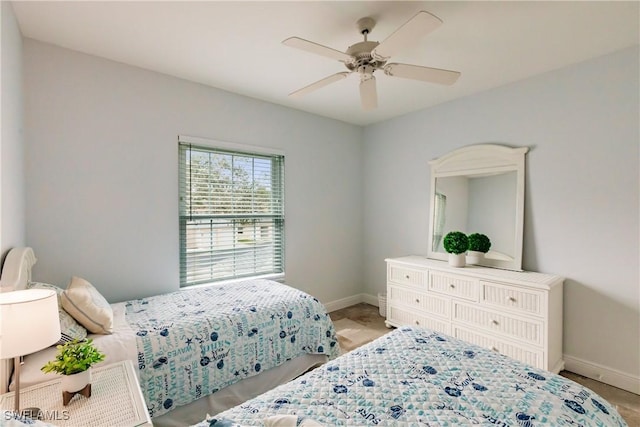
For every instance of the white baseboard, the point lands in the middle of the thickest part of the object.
(370, 299)
(349, 301)
(343, 303)
(603, 374)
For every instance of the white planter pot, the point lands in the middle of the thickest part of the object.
(457, 260)
(76, 382)
(475, 257)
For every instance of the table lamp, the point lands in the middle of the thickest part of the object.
(29, 322)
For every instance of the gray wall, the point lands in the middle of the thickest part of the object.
(581, 203)
(102, 161)
(12, 177)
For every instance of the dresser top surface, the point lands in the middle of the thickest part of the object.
(528, 278)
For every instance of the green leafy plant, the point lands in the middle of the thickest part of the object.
(74, 357)
(479, 242)
(455, 242)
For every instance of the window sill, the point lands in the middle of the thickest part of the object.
(280, 277)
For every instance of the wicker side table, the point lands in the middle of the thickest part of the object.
(116, 400)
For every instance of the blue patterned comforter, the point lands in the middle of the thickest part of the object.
(194, 342)
(417, 377)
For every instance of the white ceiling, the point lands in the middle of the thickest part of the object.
(236, 45)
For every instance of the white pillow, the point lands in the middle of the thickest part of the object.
(87, 306)
(69, 328)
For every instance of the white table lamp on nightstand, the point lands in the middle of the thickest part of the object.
(28, 322)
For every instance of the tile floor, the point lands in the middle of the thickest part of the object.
(362, 323)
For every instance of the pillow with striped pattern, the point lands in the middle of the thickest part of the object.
(69, 328)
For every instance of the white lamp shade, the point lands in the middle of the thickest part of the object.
(28, 321)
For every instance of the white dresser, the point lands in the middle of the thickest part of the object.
(518, 314)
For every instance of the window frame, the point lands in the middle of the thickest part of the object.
(232, 149)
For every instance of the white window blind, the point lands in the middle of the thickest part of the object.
(231, 214)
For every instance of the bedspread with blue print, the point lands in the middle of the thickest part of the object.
(192, 343)
(417, 377)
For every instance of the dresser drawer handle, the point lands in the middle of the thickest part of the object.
(495, 322)
(512, 299)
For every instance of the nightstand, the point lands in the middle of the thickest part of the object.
(116, 400)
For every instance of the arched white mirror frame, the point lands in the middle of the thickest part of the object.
(477, 160)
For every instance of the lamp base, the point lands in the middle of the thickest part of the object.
(32, 413)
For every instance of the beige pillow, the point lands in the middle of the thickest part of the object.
(87, 306)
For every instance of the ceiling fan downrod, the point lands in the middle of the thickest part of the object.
(365, 25)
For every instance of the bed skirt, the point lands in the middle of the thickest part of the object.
(239, 392)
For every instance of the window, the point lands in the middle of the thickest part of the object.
(439, 210)
(231, 212)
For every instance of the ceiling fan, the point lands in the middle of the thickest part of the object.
(366, 57)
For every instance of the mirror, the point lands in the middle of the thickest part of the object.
(479, 189)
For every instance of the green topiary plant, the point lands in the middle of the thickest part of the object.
(455, 242)
(479, 243)
(74, 357)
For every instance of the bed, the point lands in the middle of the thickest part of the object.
(205, 349)
(418, 377)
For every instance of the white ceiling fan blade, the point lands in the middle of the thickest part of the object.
(368, 93)
(410, 33)
(318, 49)
(426, 74)
(319, 84)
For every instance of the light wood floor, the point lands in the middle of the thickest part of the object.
(362, 323)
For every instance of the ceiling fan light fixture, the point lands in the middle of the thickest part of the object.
(366, 71)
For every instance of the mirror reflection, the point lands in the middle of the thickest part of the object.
(479, 189)
(483, 203)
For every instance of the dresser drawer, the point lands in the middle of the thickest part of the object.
(454, 285)
(530, 356)
(407, 276)
(505, 296)
(529, 331)
(416, 300)
(400, 316)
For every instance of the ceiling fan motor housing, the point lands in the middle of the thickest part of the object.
(362, 54)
